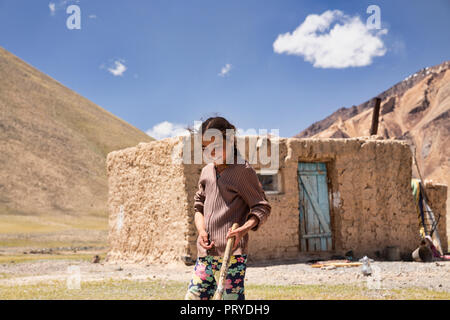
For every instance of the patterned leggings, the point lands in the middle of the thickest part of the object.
(203, 284)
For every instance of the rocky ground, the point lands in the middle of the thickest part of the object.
(386, 275)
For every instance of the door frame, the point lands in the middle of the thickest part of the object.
(329, 234)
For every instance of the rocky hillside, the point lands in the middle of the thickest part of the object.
(416, 109)
(53, 144)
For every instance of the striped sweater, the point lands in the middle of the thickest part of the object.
(233, 196)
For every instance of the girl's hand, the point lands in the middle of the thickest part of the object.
(204, 241)
(237, 233)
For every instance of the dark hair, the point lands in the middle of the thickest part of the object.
(218, 123)
(221, 124)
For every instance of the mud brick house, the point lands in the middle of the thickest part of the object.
(328, 196)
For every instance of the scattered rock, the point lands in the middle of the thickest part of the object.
(41, 251)
(188, 260)
(96, 259)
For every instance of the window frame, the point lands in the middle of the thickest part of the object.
(271, 172)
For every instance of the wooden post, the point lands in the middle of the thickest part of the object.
(375, 115)
(225, 264)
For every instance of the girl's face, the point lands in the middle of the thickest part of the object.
(214, 151)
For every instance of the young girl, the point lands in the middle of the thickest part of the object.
(227, 193)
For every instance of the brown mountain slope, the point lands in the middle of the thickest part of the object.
(53, 144)
(416, 109)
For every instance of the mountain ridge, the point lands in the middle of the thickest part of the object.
(397, 89)
(54, 144)
(417, 110)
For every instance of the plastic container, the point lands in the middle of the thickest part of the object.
(393, 253)
(422, 254)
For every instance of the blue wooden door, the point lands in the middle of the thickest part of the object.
(315, 227)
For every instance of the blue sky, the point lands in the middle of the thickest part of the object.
(173, 62)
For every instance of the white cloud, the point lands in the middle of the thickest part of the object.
(167, 129)
(52, 7)
(92, 16)
(225, 70)
(60, 5)
(63, 3)
(118, 69)
(333, 40)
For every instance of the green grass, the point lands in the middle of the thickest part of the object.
(154, 289)
(19, 224)
(21, 233)
(39, 244)
(36, 257)
(339, 292)
(105, 290)
(22, 224)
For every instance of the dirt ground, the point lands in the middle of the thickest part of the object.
(38, 266)
(386, 275)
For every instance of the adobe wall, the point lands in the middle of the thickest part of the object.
(371, 204)
(151, 189)
(370, 198)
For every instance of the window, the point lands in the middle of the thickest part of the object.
(270, 180)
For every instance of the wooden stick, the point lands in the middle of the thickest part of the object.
(435, 234)
(225, 265)
(337, 264)
(375, 115)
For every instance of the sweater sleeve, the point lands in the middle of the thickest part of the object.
(252, 192)
(199, 197)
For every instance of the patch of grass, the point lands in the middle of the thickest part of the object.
(25, 224)
(90, 222)
(419, 294)
(20, 224)
(37, 243)
(154, 289)
(337, 292)
(26, 232)
(36, 257)
(105, 290)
